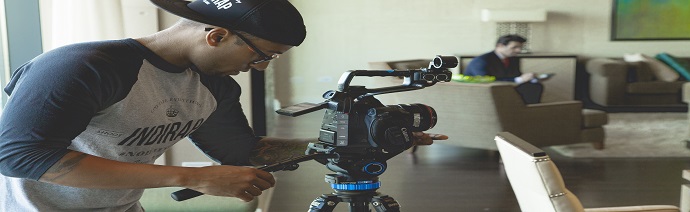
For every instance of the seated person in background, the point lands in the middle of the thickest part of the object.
(502, 64)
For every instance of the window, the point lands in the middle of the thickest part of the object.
(4, 59)
(21, 36)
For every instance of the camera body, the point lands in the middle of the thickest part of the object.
(362, 131)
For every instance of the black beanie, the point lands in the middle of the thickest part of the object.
(273, 20)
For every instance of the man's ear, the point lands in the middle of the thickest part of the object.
(215, 36)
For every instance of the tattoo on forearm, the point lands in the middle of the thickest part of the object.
(61, 168)
(268, 152)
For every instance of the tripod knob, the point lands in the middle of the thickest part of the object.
(374, 168)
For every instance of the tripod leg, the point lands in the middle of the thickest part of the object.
(359, 204)
(324, 203)
(385, 203)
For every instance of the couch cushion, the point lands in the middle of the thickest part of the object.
(679, 65)
(655, 87)
(660, 70)
(640, 71)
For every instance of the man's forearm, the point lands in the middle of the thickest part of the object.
(79, 169)
(273, 150)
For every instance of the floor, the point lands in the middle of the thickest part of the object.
(443, 177)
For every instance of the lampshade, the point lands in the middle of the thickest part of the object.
(524, 15)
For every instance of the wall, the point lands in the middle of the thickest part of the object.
(346, 35)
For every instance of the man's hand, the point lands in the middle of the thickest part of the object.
(244, 183)
(421, 138)
(526, 77)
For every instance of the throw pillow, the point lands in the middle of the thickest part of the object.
(660, 70)
(633, 57)
(680, 66)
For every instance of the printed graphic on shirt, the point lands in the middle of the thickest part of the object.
(162, 133)
(154, 116)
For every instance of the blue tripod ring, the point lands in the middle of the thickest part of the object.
(358, 186)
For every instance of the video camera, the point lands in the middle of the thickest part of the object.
(362, 131)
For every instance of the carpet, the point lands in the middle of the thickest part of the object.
(637, 135)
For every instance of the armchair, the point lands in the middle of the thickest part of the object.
(538, 184)
(471, 114)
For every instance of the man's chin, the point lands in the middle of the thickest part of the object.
(235, 72)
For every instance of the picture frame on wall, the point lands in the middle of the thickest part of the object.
(650, 20)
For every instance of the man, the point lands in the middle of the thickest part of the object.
(85, 122)
(502, 64)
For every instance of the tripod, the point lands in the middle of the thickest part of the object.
(357, 193)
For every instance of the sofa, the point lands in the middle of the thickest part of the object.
(472, 113)
(613, 82)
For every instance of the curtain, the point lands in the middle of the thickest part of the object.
(71, 21)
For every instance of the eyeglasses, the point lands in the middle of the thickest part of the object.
(263, 57)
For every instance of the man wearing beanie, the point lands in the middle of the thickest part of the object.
(85, 122)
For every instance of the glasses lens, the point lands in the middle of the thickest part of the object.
(266, 59)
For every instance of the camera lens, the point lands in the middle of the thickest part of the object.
(423, 116)
(445, 62)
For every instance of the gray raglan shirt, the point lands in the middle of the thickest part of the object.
(116, 100)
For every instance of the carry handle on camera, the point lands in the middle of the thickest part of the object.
(288, 165)
(413, 79)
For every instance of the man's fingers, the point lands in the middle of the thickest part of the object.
(254, 191)
(438, 136)
(433, 136)
(268, 177)
(245, 197)
(421, 138)
(262, 184)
